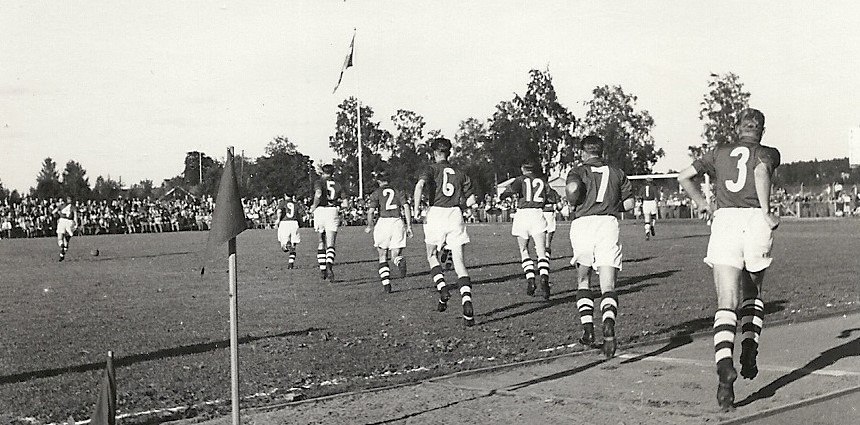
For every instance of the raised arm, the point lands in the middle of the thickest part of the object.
(686, 180)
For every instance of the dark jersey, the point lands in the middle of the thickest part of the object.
(447, 187)
(331, 192)
(530, 191)
(732, 169)
(551, 200)
(650, 192)
(388, 201)
(605, 188)
(289, 210)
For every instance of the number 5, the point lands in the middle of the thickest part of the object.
(330, 187)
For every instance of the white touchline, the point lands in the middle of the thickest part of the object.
(769, 368)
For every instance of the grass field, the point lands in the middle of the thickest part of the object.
(144, 298)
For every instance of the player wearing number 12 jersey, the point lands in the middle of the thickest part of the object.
(600, 192)
(327, 194)
(287, 217)
(448, 189)
(531, 191)
(740, 243)
(390, 230)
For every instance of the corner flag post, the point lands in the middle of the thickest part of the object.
(234, 318)
(360, 169)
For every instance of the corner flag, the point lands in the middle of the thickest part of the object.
(228, 220)
(346, 63)
(105, 410)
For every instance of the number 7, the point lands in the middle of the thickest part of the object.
(604, 181)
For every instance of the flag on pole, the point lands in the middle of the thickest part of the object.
(346, 63)
(228, 220)
(105, 410)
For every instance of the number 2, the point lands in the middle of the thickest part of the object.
(447, 187)
(604, 181)
(389, 203)
(331, 192)
(744, 153)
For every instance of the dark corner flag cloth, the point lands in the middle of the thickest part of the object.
(228, 220)
(105, 410)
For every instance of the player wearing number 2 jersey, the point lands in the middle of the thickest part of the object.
(600, 192)
(390, 231)
(531, 191)
(740, 243)
(327, 194)
(448, 189)
(287, 217)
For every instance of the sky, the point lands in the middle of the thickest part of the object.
(127, 87)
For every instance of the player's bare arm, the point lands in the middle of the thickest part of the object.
(686, 180)
(416, 196)
(471, 200)
(370, 220)
(407, 210)
(573, 191)
(628, 204)
(762, 189)
(317, 196)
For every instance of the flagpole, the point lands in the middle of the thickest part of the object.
(234, 320)
(360, 168)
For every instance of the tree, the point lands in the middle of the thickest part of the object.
(142, 190)
(719, 113)
(411, 151)
(551, 126)
(106, 188)
(211, 173)
(625, 129)
(4, 193)
(75, 182)
(471, 155)
(510, 141)
(48, 181)
(283, 170)
(375, 142)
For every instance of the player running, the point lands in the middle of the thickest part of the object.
(66, 225)
(650, 193)
(390, 230)
(447, 189)
(531, 190)
(740, 243)
(287, 217)
(549, 210)
(599, 192)
(327, 194)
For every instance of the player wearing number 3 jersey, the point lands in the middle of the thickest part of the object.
(327, 193)
(390, 230)
(531, 191)
(599, 192)
(447, 190)
(740, 243)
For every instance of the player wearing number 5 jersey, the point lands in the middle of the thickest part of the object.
(740, 243)
(287, 216)
(327, 194)
(531, 191)
(447, 189)
(599, 192)
(390, 230)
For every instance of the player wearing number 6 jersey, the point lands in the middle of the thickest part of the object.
(327, 193)
(740, 243)
(288, 228)
(529, 223)
(599, 192)
(448, 189)
(390, 230)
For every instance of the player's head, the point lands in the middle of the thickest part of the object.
(327, 170)
(441, 148)
(592, 145)
(649, 180)
(529, 167)
(750, 124)
(382, 177)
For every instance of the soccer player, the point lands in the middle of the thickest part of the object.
(66, 225)
(650, 193)
(287, 217)
(740, 243)
(447, 188)
(389, 231)
(327, 194)
(549, 210)
(531, 191)
(599, 192)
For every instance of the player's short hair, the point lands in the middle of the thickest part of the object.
(751, 119)
(592, 144)
(530, 166)
(440, 144)
(382, 175)
(328, 169)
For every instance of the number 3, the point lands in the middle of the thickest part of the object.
(447, 187)
(744, 153)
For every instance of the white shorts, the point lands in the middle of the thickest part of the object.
(649, 208)
(326, 219)
(389, 233)
(288, 232)
(549, 216)
(741, 238)
(65, 226)
(445, 226)
(594, 240)
(528, 222)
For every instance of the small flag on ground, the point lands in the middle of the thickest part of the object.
(228, 220)
(105, 410)
(346, 63)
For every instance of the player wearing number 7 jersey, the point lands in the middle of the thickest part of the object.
(327, 193)
(530, 190)
(599, 192)
(740, 243)
(390, 230)
(448, 189)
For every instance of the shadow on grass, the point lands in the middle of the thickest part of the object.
(554, 376)
(826, 358)
(442, 407)
(145, 357)
(134, 257)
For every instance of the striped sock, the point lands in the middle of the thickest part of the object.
(321, 258)
(752, 318)
(465, 284)
(529, 268)
(725, 325)
(384, 273)
(543, 267)
(585, 304)
(329, 258)
(609, 306)
(438, 277)
(292, 257)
